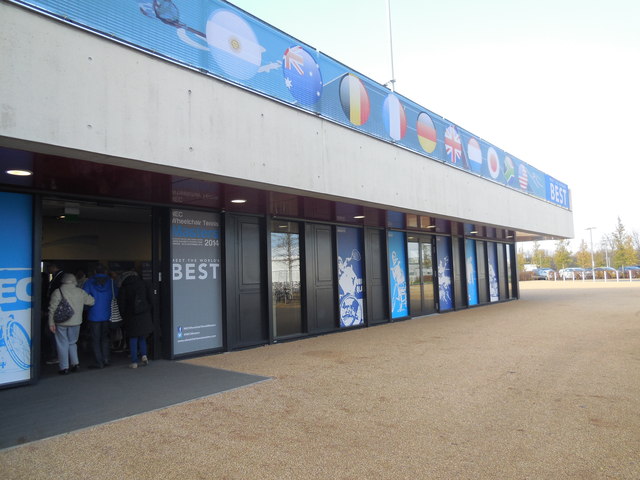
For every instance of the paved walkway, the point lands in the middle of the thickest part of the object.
(544, 388)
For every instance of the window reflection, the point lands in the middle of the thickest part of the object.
(285, 276)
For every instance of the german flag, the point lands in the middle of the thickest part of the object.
(426, 132)
(354, 99)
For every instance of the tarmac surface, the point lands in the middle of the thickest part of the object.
(547, 387)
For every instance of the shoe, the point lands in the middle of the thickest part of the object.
(74, 368)
(52, 361)
(107, 364)
(144, 361)
(133, 365)
(63, 372)
(96, 366)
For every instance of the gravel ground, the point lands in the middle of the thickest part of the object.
(547, 387)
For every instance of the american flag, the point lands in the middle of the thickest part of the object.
(452, 144)
(523, 177)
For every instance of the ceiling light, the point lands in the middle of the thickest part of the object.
(238, 200)
(431, 226)
(359, 216)
(473, 232)
(20, 173)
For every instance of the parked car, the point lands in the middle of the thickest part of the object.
(609, 271)
(542, 274)
(576, 273)
(550, 273)
(634, 272)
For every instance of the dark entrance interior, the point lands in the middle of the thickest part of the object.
(77, 236)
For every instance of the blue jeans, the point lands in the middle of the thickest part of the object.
(100, 342)
(134, 343)
(66, 345)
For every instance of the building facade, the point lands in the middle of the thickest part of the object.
(175, 138)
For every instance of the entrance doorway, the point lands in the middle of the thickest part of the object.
(79, 235)
(421, 292)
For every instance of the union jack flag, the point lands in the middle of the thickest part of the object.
(452, 144)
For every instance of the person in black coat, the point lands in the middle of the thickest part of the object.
(134, 302)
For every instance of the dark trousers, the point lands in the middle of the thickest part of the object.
(100, 342)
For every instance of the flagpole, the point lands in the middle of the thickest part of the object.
(393, 76)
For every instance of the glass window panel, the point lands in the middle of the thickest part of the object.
(285, 277)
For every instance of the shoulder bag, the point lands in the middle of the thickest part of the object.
(64, 311)
(115, 311)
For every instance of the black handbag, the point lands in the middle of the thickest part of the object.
(64, 311)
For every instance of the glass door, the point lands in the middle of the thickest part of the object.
(285, 279)
(421, 292)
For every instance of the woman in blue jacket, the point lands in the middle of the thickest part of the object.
(101, 287)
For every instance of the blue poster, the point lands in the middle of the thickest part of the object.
(397, 254)
(472, 271)
(16, 259)
(219, 39)
(445, 288)
(350, 276)
(492, 260)
(196, 281)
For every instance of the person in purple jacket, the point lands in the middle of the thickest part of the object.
(101, 287)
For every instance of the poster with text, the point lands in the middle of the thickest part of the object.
(492, 260)
(196, 281)
(350, 276)
(16, 286)
(472, 272)
(397, 253)
(445, 288)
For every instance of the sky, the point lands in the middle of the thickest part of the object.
(555, 83)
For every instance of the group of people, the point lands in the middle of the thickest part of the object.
(134, 302)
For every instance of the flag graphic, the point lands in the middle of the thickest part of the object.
(452, 144)
(233, 44)
(302, 75)
(523, 176)
(395, 119)
(493, 162)
(474, 153)
(426, 132)
(509, 170)
(354, 99)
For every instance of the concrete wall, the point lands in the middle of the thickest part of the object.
(68, 92)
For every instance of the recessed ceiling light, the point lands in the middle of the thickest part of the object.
(359, 216)
(238, 200)
(19, 172)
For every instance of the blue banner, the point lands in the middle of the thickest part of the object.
(16, 287)
(397, 254)
(472, 271)
(219, 39)
(445, 286)
(557, 192)
(350, 276)
(492, 260)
